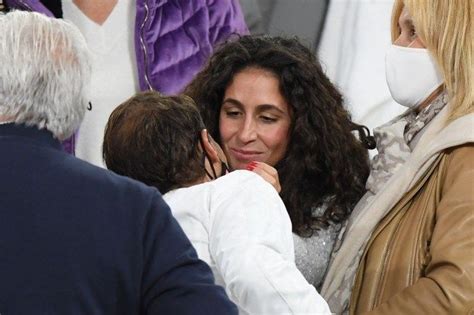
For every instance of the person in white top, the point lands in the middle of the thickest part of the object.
(237, 222)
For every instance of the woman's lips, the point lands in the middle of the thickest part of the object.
(245, 155)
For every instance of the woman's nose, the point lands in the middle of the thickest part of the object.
(248, 131)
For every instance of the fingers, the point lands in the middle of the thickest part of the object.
(267, 172)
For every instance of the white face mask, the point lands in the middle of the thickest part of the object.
(412, 75)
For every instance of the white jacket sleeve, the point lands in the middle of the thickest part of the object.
(252, 245)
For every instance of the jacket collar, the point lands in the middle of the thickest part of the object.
(42, 137)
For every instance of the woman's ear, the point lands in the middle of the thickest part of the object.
(208, 147)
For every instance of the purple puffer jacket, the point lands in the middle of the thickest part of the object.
(173, 38)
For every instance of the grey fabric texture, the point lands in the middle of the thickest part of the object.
(303, 18)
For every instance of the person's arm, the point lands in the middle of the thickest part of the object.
(448, 285)
(251, 243)
(225, 18)
(174, 280)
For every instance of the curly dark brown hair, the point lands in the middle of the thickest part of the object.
(154, 139)
(324, 163)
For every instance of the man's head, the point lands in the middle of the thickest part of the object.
(161, 141)
(44, 71)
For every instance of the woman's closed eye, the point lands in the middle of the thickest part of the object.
(232, 113)
(268, 119)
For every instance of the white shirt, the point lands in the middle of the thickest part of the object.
(240, 227)
(113, 78)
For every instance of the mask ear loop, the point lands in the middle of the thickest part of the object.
(212, 167)
(224, 168)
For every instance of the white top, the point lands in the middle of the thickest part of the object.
(240, 227)
(113, 71)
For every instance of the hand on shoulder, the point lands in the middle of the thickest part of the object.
(267, 172)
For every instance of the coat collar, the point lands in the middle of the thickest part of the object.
(42, 137)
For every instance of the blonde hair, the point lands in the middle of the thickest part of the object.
(445, 27)
(44, 72)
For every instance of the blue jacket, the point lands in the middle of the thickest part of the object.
(78, 239)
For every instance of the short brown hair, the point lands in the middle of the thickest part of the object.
(153, 138)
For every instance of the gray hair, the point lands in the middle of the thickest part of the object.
(44, 72)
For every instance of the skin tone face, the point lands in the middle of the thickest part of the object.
(254, 120)
(409, 38)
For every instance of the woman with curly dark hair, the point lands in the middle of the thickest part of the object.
(273, 110)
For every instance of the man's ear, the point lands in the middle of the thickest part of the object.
(208, 147)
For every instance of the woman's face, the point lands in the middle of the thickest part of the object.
(408, 36)
(254, 120)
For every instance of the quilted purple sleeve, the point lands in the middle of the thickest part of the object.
(225, 18)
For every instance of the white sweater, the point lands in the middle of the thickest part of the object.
(113, 78)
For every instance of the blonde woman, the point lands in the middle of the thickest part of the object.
(408, 246)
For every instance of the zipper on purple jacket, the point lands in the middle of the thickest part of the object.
(142, 42)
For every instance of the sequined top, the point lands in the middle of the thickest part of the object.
(312, 253)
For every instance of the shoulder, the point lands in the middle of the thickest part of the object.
(248, 192)
(462, 153)
(98, 175)
(244, 181)
(459, 159)
(455, 133)
(188, 200)
(459, 164)
(108, 189)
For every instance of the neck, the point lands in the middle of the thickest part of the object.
(97, 11)
(6, 120)
(201, 180)
(430, 98)
(204, 179)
